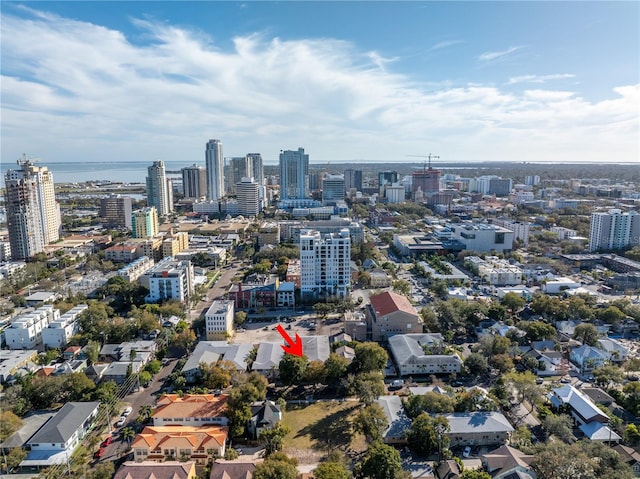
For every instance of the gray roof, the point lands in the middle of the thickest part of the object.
(30, 425)
(65, 423)
(316, 347)
(407, 348)
(578, 401)
(467, 422)
(211, 351)
(269, 355)
(396, 417)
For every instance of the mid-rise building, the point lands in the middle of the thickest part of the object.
(248, 195)
(175, 243)
(532, 180)
(495, 271)
(426, 181)
(25, 330)
(352, 180)
(482, 237)
(33, 216)
(218, 320)
(115, 211)
(59, 331)
(386, 178)
(332, 189)
(159, 189)
(324, 263)
(215, 170)
(169, 279)
(500, 186)
(389, 314)
(395, 194)
(614, 230)
(236, 169)
(144, 222)
(294, 174)
(135, 269)
(194, 181)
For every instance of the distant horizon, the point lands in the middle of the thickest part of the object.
(548, 82)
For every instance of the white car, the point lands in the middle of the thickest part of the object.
(466, 452)
(127, 411)
(121, 421)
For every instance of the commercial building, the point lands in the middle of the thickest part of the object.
(495, 271)
(389, 314)
(386, 178)
(483, 237)
(218, 320)
(215, 170)
(426, 181)
(248, 194)
(174, 243)
(256, 167)
(324, 263)
(352, 180)
(33, 216)
(144, 222)
(135, 269)
(159, 189)
(411, 359)
(294, 174)
(169, 279)
(614, 230)
(115, 211)
(194, 181)
(332, 189)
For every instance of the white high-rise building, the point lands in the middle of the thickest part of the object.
(614, 230)
(159, 189)
(215, 170)
(33, 216)
(248, 195)
(294, 175)
(325, 263)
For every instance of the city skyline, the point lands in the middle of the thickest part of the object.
(480, 81)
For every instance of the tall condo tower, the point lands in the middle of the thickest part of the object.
(257, 168)
(194, 181)
(159, 190)
(248, 193)
(33, 216)
(215, 170)
(294, 174)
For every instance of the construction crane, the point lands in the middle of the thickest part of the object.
(26, 160)
(428, 161)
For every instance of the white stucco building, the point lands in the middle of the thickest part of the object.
(324, 263)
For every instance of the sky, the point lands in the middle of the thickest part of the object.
(348, 81)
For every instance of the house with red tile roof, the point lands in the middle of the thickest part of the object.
(390, 313)
(196, 443)
(157, 470)
(191, 410)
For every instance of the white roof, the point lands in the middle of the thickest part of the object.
(596, 431)
(269, 356)
(578, 401)
(474, 422)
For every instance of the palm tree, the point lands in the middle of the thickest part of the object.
(144, 413)
(128, 434)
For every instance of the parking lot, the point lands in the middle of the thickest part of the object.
(265, 329)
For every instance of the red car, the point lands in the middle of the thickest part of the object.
(107, 441)
(98, 453)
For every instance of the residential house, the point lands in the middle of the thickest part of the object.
(191, 410)
(588, 358)
(157, 470)
(232, 470)
(316, 348)
(581, 408)
(501, 463)
(549, 361)
(346, 352)
(119, 371)
(448, 469)
(264, 415)
(210, 352)
(596, 431)
(13, 361)
(410, 358)
(55, 442)
(616, 351)
(196, 443)
(31, 423)
(630, 456)
(390, 313)
(478, 429)
(267, 360)
(397, 420)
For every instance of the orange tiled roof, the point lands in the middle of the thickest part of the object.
(389, 302)
(191, 405)
(177, 437)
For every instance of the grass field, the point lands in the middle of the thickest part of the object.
(321, 427)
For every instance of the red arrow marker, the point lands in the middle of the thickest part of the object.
(294, 347)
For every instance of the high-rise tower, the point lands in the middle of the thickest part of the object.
(33, 216)
(194, 181)
(257, 168)
(215, 170)
(294, 174)
(159, 190)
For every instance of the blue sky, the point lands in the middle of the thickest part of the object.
(348, 81)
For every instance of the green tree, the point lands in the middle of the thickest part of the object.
(611, 315)
(429, 402)
(335, 368)
(92, 350)
(524, 385)
(369, 357)
(276, 466)
(315, 373)
(513, 301)
(608, 375)
(476, 364)
(369, 387)
(426, 434)
(586, 333)
(128, 433)
(331, 470)
(560, 426)
(239, 317)
(474, 474)
(292, 369)
(215, 376)
(381, 462)
(15, 457)
(145, 378)
(537, 330)
(371, 421)
(271, 439)
(402, 286)
(9, 423)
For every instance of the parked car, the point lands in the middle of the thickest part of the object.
(99, 453)
(121, 421)
(127, 411)
(107, 441)
(466, 451)
(539, 381)
(565, 380)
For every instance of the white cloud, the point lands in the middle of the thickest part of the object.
(445, 44)
(84, 92)
(490, 56)
(539, 78)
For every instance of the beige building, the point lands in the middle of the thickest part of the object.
(218, 320)
(196, 443)
(189, 409)
(390, 313)
(174, 243)
(379, 278)
(144, 222)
